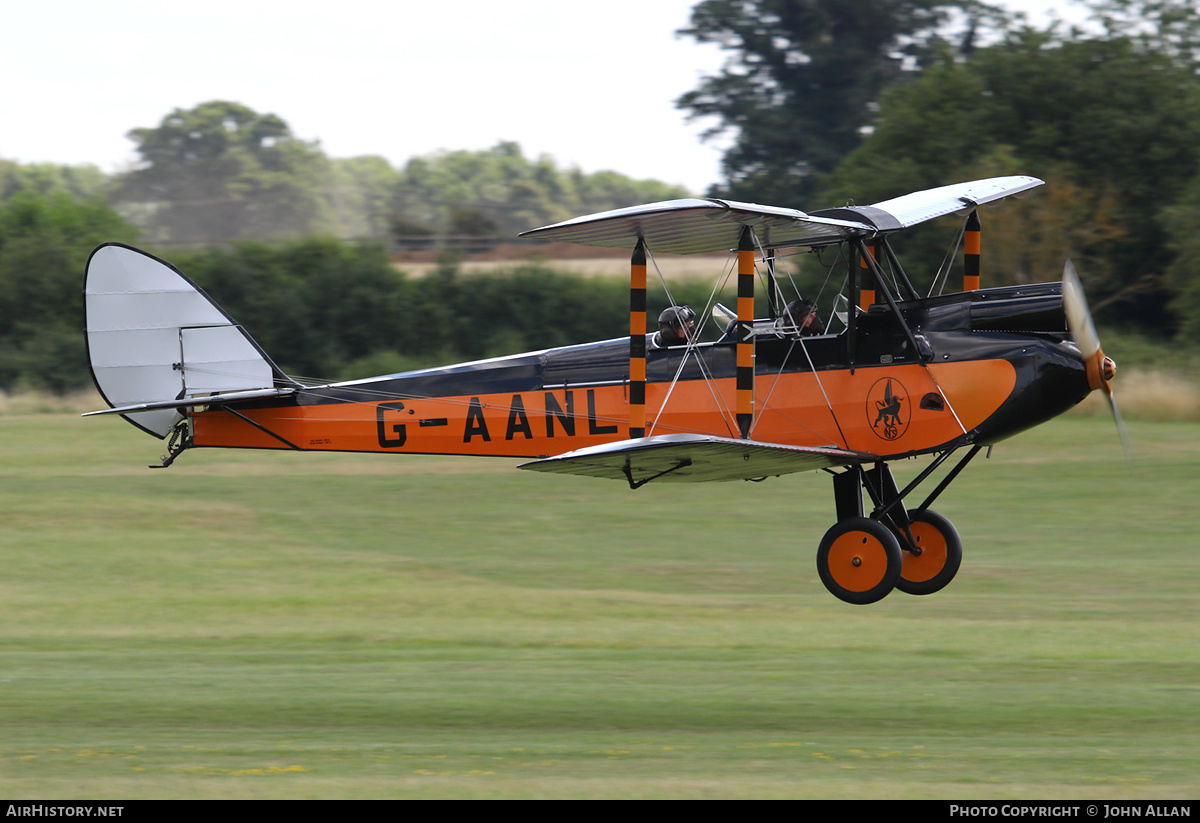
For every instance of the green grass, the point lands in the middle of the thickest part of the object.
(248, 624)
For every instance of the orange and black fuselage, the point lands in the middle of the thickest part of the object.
(992, 363)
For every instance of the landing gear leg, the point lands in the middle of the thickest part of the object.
(859, 559)
(855, 556)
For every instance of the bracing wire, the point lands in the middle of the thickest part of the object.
(691, 347)
(943, 272)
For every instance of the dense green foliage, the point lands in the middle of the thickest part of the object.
(44, 241)
(1182, 222)
(499, 192)
(319, 307)
(221, 172)
(1113, 127)
(830, 102)
(330, 310)
(802, 79)
(1110, 117)
(83, 182)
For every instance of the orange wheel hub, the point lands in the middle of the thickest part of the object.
(924, 566)
(858, 561)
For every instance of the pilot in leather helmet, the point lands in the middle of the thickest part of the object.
(800, 319)
(676, 326)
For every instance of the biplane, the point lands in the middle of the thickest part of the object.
(894, 374)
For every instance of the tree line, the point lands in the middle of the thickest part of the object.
(322, 308)
(827, 102)
(222, 172)
(296, 246)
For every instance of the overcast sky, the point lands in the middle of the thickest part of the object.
(591, 85)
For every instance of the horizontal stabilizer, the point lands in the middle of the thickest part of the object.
(199, 400)
(694, 458)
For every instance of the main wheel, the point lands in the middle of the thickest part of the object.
(859, 560)
(940, 554)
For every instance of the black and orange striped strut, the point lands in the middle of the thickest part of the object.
(637, 341)
(866, 294)
(971, 248)
(745, 337)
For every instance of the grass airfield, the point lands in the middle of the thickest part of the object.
(273, 625)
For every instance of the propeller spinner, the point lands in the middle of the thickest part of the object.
(1100, 369)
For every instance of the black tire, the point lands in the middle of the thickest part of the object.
(941, 554)
(859, 560)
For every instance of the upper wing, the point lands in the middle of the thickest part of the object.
(695, 225)
(911, 209)
(694, 458)
(691, 226)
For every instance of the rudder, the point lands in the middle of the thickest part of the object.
(153, 335)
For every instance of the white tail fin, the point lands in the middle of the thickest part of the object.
(153, 335)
